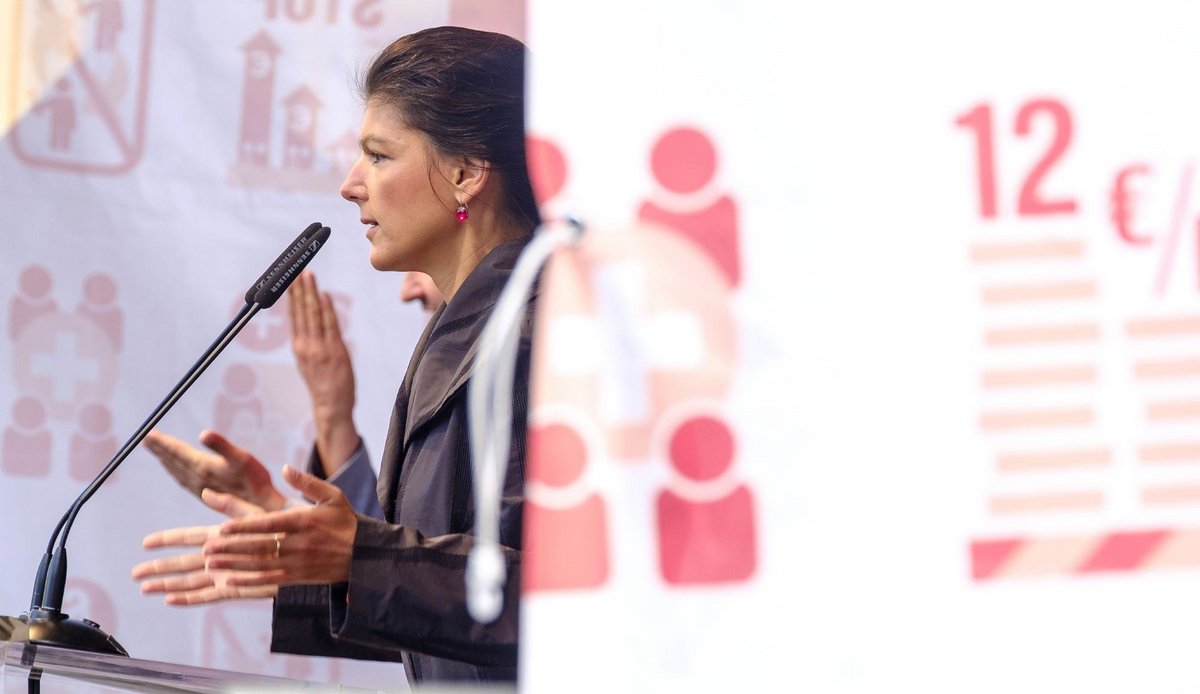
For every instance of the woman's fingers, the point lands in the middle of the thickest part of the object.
(175, 584)
(193, 536)
(247, 580)
(168, 566)
(254, 545)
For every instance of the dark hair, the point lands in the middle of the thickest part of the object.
(465, 89)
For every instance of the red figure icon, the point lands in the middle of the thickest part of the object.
(27, 443)
(32, 300)
(566, 540)
(684, 162)
(93, 445)
(99, 306)
(60, 109)
(300, 140)
(109, 22)
(238, 399)
(547, 168)
(258, 89)
(706, 532)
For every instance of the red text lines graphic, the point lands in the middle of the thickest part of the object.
(1089, 374)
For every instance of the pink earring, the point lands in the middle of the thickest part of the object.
(461, 213)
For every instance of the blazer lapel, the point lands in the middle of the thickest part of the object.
(393, 448)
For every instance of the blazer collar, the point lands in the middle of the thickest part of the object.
(449, 349)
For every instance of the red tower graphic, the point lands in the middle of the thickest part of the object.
(706, 528)
(343, 151)
(300, 140)
(684, 161)
(566, 539)
(257, 99)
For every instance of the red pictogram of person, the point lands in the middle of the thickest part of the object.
(566, 535)
(32, 300)
(547, 168)
(238, 400)
(706, 527)
(684, 162)
(99, 306)
(109, 22)
(60, 109)
(27, 443)
(93, 444)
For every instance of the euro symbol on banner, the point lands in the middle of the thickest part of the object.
(1123, 204)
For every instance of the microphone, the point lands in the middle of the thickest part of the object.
(45, 623)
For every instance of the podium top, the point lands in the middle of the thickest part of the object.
(122, 674)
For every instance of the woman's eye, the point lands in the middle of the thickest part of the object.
(375, 157)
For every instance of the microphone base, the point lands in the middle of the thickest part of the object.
(53, 628)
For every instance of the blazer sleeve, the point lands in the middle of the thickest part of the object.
(406, 592)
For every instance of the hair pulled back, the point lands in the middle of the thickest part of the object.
(465, 89)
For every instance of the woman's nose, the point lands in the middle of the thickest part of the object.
(353, 188)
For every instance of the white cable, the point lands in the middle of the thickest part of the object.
(489, 412)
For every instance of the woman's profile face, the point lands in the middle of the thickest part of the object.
(402, 194)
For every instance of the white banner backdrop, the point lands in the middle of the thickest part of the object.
(953, 247)
(958, 243)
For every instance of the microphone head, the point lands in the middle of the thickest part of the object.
(289, 267)
(299, 242)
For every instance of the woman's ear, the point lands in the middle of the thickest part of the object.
(470, 177)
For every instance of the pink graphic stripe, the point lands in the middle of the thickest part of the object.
(1039, 376)
(1120, 551)
(989, 556)
(999, 252)
(1166, 410)
(1123, 551)
(1166, 368)
(1175, 230)
(1049, 291)
(1054, 460)
(1046, 503)
(1174, 452)
(1040, 334)
(1029, 419)
(1180, 548)
(1163, 327)
(1170, 495)
(1050, 556)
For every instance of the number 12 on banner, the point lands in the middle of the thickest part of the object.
(1031, 202)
